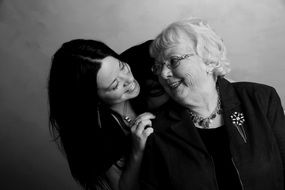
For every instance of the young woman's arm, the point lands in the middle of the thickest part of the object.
(127, 179)
(140, 131)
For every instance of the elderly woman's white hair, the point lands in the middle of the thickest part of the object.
(207, 44)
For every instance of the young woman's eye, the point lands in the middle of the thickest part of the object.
(115, 87)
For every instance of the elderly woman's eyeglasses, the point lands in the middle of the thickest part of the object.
(173, 63)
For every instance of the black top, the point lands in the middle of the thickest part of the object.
(174, 156)
(217, 145)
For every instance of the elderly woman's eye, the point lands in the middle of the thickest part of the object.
(174, 62)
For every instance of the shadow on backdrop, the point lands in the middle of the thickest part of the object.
(26, 161)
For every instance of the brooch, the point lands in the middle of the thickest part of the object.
(238, 120)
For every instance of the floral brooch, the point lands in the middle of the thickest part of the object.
(237, 118)
(238, 121)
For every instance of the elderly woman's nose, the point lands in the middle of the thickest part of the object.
(165, 72)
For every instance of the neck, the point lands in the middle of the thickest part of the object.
(124, 109)
(204, 102)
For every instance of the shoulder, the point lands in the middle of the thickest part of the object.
(162, 115)
(167, 116)
(256, 92)
(251, 89)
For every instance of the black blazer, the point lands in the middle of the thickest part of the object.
(176, 157)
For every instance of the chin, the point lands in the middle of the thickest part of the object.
(179, 95)
(136, 92)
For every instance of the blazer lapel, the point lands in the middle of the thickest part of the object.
(183, 127)
(232, 111)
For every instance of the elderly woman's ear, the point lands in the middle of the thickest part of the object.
(209, 71)
(211, 66)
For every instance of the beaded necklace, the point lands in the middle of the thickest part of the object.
(205, 122)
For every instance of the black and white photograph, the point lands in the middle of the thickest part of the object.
(142, 95)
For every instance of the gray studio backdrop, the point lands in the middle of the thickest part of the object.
(31, 30)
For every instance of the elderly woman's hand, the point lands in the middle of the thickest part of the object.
(140, 130)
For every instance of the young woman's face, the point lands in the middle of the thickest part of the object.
(115, 82)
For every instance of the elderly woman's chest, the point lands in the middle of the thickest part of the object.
(190, 164)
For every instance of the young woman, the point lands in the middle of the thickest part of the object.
(92, 117)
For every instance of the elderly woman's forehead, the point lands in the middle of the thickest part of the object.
(178, 48)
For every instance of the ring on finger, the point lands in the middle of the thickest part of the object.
(139, 122)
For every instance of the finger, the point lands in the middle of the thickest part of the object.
(146, 115)
(148, 131)
(142, 119)
(142, 125)
(135, 128)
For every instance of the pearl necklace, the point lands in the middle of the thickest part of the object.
(205, 122)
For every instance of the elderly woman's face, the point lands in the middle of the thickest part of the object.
(182, 72)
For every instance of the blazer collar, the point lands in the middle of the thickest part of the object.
(229, 99)
(231, 106)
(182, 126)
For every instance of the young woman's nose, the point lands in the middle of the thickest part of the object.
(128, 81)
(126, 78)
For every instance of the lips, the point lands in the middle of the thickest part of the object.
(174, 84)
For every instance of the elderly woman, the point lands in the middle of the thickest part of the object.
(213, 134)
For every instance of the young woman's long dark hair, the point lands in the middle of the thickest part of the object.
(80, 123)
(140, 61)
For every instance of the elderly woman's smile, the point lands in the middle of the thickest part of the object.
(174, 84)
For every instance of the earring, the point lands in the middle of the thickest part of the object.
(209, 72)
(98, 117)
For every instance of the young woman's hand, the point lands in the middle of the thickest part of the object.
(140, 130)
